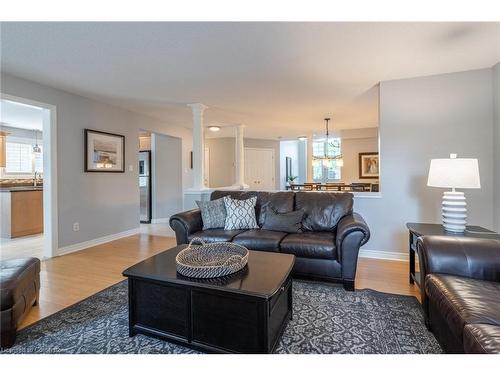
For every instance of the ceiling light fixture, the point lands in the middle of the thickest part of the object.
(329, 149)
(214, 128)
(36, 148)
(303, 138)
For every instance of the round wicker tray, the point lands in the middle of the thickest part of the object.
(211, 260)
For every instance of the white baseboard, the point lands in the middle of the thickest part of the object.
(377, 254)
(95, 242)
(162, 220)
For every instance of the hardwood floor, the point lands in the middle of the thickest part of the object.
(68, 279)
(388, 276)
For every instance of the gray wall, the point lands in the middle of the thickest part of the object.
(103, 203)
(355, 141)
(222, 161)
(166, 153)
(421, 119)
(496, 107)
(222, 158)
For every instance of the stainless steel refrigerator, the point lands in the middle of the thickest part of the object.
(145, 185)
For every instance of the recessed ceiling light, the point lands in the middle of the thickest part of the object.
(303, 138)
(214, 128)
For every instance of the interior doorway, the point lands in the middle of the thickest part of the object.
(145, 175)
(160, 181)
(28, 178)
(145, 169)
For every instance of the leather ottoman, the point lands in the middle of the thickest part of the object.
(19, 291)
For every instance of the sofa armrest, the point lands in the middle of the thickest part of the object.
(186, 223)
(477, 258)
(352, 233)
(349, 224)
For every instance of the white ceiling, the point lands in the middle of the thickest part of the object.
(21, 116)
(280, 79)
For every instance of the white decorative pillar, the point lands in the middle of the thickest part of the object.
(198, 146)
(309, 150)
(240, 158)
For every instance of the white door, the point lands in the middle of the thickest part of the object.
(260, 168)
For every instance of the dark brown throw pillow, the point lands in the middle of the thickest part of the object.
(290, 222)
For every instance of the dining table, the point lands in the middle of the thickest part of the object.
(317, 186)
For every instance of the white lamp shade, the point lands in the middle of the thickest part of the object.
(454, 173)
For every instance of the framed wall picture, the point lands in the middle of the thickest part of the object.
(104, 152)
(368, 165)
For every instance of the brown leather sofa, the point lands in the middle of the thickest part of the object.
(327, 248)
(461, 292)
(19, 291)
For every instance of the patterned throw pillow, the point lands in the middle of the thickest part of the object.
(213, 213)
(240, 214)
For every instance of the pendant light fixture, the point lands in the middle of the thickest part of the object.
(36, 148)
(337, 158)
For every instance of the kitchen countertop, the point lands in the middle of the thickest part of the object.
(13, 189)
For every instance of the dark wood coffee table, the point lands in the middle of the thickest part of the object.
(241, 313)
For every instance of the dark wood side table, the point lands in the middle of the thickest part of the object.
(421, 229)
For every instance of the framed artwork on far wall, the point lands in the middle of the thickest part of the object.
(368, 165)
(104, 152)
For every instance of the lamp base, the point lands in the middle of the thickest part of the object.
(454, 211)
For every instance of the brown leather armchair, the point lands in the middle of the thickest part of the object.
(19, 290)
(461, 292)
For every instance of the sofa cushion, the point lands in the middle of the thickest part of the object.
(310, 245)
(282, 201)
(213, 213)
(215, 235)
(16, 276)
(289, 222)
(323, 210)
(260, 239)
(240, 213)
(463, 300)
(482, 338)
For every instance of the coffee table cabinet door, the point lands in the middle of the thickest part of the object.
(162, 307)
(229, 322)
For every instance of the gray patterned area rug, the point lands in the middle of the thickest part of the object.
(326, 319)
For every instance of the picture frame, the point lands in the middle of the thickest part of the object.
(369, 165)
(104, 152)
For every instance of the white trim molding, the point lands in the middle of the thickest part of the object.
(388, 255)
(97, 241)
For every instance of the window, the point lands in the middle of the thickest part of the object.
(21, 160)
(326, 170)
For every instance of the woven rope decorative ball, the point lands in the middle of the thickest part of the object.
(211, 260)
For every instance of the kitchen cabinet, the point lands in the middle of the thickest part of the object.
(21, 211)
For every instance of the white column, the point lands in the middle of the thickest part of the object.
(240, 158)
(309, 150)
(198, 146)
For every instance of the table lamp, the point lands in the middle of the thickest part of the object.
(454, 173)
